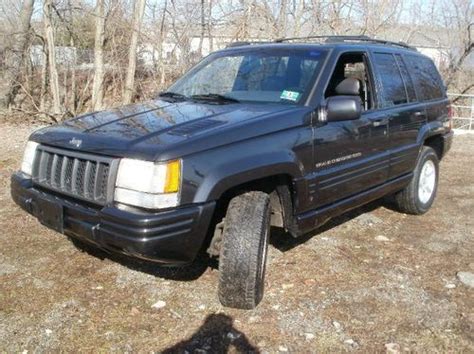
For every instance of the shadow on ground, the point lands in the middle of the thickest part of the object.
(216, 335)
(282, 241)
(184, 273)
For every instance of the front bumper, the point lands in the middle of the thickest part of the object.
(172, 237)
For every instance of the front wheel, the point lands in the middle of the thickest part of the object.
(243, 251)
(419, 195)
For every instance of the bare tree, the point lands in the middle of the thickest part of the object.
(209, 27)
(44, 76)
(53, 72)
(98, 85)
(15, 57)
(138, 11)
(297, 13)
(203, 28)
(379, 15)
(160, 42)
(243, 30)
(107, 33)
(461, 24)
(282, 18)
(72, 43)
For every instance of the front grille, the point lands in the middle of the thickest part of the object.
(83, 176)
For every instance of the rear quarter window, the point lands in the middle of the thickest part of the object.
(425, 76)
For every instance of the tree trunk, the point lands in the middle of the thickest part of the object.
(298, 17)
(209, 27)
(160, 45)
(74, 63)
(203, 28)
(139, 9)
(73, 81)
(44, 77)
(53, 72)
(247, 15)
(98, 85)
(15, 57)
(282, 19)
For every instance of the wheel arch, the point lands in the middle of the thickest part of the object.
(431, 134)
(280, 187)
(436, 142)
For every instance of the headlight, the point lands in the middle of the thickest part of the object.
(29, 157)
(147, 184)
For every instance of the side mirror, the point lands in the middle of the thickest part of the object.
(343, 108)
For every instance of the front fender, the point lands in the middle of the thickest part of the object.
(238, 171)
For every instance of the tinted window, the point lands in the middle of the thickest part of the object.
(406, 78)
(393, 88)
(427, 80)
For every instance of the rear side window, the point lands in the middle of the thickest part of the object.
(406, 79)
(393, 87)
(427, 81)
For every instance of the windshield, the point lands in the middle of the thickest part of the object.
(254, 75)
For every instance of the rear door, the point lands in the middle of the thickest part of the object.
(398, 102)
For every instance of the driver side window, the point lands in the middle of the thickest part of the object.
(353, 65)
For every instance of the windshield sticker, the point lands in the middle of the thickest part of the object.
(289, 95)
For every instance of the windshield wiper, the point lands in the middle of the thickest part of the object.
(214, 97)
(173, 95)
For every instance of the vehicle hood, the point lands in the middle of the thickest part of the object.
(144, 130)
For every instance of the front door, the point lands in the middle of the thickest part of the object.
(350, 156)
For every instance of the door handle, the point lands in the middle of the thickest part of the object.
(419, 114)
(380, 122)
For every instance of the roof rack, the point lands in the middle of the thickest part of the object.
(327, 39)
(353, 38)
(237, 44)
(241, 43)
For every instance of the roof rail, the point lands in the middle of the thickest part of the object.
(236, 44)
(241, 43)
(353, 38)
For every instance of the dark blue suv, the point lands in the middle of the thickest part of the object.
(285, 134)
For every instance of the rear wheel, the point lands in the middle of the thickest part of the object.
(243, 251)
(419, 195)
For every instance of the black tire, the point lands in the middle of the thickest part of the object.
(243, 251)
(408, 199)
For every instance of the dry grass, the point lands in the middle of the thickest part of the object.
(339, 290)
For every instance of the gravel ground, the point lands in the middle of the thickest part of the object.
(371, 280)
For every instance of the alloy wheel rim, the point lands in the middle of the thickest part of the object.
(427, 181)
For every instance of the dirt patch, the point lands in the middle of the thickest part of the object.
(370, 278)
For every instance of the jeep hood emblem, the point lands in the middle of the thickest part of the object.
(75, 142)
